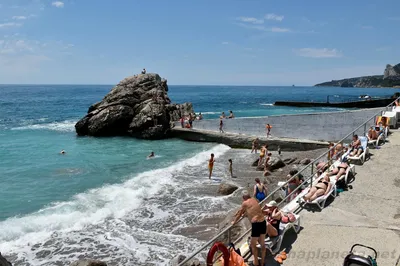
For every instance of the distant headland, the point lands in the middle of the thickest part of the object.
(389, 79)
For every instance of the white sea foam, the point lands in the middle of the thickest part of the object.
(267, 104)
(64, 126)
(209, 113)
(109, 212)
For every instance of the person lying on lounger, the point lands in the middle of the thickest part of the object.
(372, 134)
(340, 169)
(321, 188)
(356, 147)
(274, 217)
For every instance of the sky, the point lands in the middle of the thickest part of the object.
(196, 42)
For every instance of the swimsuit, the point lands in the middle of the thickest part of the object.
(259, 194)
(210, 164)
(258, 228)
(320, 181)
(275, 223)
(262, 153)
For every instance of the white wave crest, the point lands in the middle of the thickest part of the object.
(93, 207)
(64, 126)
(267, 104)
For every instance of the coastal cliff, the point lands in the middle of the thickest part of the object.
(390, 78)
(138, 106)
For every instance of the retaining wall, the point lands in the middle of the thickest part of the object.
(315, 126)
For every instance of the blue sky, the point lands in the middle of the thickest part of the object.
(223, 42)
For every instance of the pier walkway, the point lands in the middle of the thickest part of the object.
(368, 214)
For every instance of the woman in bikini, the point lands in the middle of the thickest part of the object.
(263, 151)
(211, 164)
(260, 190)
(321, 188)
(340, 169)
(274, 217)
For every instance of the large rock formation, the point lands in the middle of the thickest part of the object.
(138, 106)
(390, 78)
(4, 261)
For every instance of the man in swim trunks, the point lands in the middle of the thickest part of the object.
(253, 211)
(151, 155)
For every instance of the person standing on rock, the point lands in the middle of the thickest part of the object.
(260, 190)
(144, 71)
(230, 167)
(182, 120)
(221, 126)
(255, 145)
(268, 127)
(211, 165)
(253, 211)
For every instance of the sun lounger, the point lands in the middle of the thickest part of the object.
(364, 154)
(320, 201)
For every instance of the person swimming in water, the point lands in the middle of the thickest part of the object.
(62, 152)
(151, 155)
(211, 165)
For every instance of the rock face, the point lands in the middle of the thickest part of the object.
(390, 78)
(138, 106)
(4, 262)
(226, 189)
(88, 263)
(392, 72)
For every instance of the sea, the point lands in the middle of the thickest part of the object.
(104, 199)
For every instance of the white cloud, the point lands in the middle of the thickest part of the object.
(263, 28)
(225, 43)
(251, 20)
(58, 4)
(272, 16)
(19, 17)
(277, 29)
(10, 24)
(318, 53)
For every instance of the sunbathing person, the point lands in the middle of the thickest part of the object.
(356, 147)
(274, 217)
(321, 188)
(372, 134)
(340, 169)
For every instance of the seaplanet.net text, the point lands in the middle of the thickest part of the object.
(328, 254)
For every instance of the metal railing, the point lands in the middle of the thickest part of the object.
(309, 180)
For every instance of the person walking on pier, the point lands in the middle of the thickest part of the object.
(253, 211)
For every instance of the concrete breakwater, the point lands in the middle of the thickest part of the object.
(328, 126)
(245, 141)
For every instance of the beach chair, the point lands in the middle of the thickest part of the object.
(364, 155)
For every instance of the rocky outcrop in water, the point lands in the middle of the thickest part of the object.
(390, 78)
(138, 106)
(226, 189)
(4, 261)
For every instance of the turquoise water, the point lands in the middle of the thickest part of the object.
(104, 190)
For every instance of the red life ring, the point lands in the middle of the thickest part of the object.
(221, 247)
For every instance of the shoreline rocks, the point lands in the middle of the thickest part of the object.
(4, 261)
(138, 106)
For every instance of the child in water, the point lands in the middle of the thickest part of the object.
(230, 167)
(211, 165)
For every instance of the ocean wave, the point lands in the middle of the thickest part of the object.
(267, 104)
(88, 216)
(209, 113)
(64, 126)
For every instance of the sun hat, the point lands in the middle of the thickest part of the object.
(272, 203)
